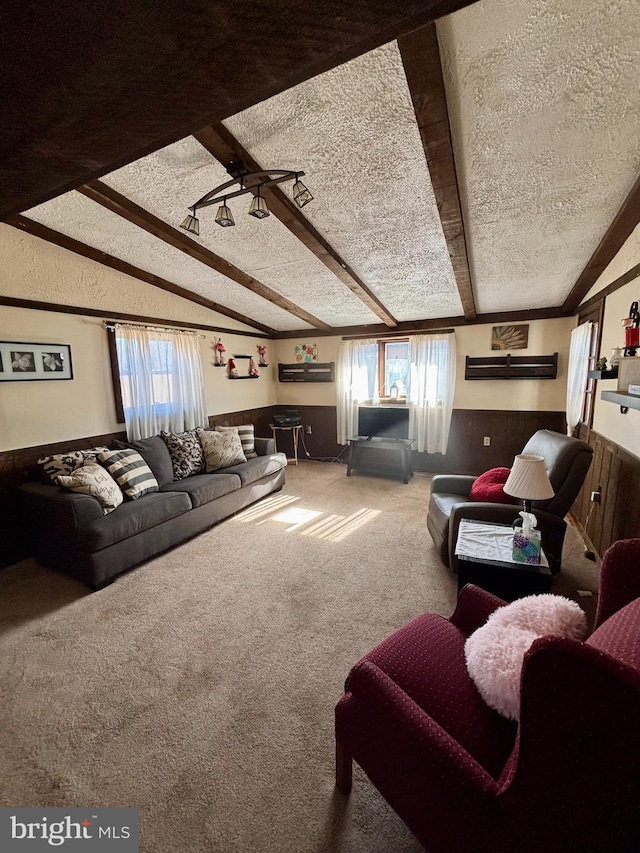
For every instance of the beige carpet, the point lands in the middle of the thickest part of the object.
(200, 687)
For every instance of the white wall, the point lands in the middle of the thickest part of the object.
(545, 338)
(32, 412)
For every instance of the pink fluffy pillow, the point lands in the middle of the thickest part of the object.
(489, 487)
(494, 653)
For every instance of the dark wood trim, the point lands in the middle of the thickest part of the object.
(624, 223)
(115, 375)
(619, 282)
(122, 206)
(222, 145)
(59, 308)
(417, 326)
(421, 59)
(156, 75)
(36, 229)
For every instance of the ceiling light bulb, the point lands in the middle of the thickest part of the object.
(301, 194)
(224, 216)
(191, 224)
(258, 207)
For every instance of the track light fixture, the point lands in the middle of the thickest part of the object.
(251, 182)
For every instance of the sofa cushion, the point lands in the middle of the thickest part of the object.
(64, 463)
(130, 472)
(92, 479)
(247, 438)
(203, 488)
(619, 636)
(186, 453)
(255, 469)
(221, 449)
(155, 453)
(130, 518)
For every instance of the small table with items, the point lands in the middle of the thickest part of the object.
(360, 445)
(484, 558)
(296, 429)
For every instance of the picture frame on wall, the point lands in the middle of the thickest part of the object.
(20, 361)
(510, 337)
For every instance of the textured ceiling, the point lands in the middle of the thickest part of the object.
(544, 104)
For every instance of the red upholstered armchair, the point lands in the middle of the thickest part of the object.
(464, 779)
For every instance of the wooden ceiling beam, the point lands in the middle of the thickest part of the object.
(620, 229)
(421, 59)
(119, 204)
(223, 145)
(22, 223)
(157, 72)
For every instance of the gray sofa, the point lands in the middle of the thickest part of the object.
(69, 532)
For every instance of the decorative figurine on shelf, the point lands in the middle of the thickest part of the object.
(233, 370)
(616, 355)
(220, 350)
(253, 368)
(262, 351)
(601, 363)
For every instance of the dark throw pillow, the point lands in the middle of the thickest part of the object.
(490, 487)
(186, 453)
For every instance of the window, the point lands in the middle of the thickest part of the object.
(422, 368)
(159, 380)
(394, 369)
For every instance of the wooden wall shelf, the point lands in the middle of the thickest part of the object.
(625, 401)
(604, 374)
(307, 371)
(512, 367)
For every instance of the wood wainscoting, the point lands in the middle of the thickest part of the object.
(615, 474)
(18, 466)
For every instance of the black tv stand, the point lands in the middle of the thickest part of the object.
(371, 444)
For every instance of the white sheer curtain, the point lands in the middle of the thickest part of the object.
(577, 373)
(356, 383)
(161, 380)
(432, 383)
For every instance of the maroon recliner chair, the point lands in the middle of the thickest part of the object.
(466, 780)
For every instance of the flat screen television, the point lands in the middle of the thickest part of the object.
(383, 421)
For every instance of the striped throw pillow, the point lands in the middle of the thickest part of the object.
(247, 438)
(130, 472)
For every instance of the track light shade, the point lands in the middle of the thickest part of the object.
(224, 216)
(191, 224)
(258, 207)
(301, 194)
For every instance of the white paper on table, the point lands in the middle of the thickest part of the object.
(489, 542)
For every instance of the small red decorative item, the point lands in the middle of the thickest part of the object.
(233, 370)
(489, 487)
(262, 351)
(220, 349)
(253, 369)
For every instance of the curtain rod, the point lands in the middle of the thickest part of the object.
(112, 327)
(385, 335)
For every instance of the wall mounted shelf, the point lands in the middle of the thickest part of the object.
(625, 401)
(604, 374)
(306, 371)
(244, 377)
(512, 367)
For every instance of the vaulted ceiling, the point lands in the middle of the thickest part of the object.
(482, 166)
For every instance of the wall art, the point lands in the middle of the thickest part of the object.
(509, 337)
(25, 361)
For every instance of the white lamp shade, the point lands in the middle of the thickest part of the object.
(528, 479)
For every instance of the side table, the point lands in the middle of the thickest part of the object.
(295, 435)
(501, 576)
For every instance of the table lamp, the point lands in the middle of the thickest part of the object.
(529, 480)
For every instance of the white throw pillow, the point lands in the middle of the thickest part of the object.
(494, 653)
(247, 438)
(92, 479)
(221, 449)
(65, 463)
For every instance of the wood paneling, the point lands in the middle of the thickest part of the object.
(615, 473)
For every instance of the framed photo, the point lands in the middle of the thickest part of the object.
(509, 337)
(24, 361)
